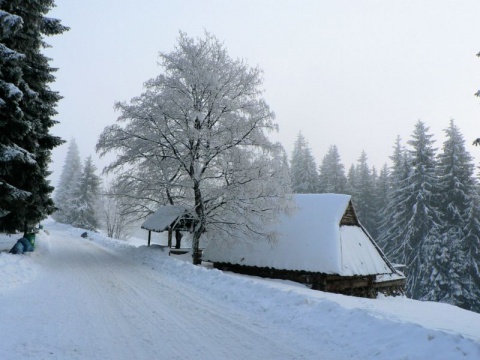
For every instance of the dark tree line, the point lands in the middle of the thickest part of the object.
(423, 210)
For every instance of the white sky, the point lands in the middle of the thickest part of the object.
(351, 73)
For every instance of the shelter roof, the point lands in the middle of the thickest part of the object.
(163, 218)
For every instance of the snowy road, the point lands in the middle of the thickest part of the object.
(88, 303)
(75, 298)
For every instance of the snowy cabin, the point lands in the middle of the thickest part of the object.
(321, 244)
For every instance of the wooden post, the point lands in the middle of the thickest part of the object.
(169, 237)
(149, 236)
(178, 239)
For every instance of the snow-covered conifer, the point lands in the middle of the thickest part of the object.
(449, 279)
(351, 180)
(11, 126)
(86, 196)
(382, 192)
(67, 185)
(303, 169)
(364, 195)
(396, 214)
(27, 106)
(424, 225)
(332, 173)
(471, 243)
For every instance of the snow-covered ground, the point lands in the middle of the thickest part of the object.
(98, 298)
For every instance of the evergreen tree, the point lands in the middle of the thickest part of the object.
(12, 129)
(64, 193)
(332, 173)
(375, 216)
(472, 254)
(364, 195)
(423, 226)
(382, 193)
(448, 280)
(85, 199)
(395, 216)
(285, 170)
(351, 181)
(303, 170)
(27, 106)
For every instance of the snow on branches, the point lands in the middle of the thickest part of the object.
(201, 126)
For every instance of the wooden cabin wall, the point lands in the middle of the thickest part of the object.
(349, 217)
(361, 286)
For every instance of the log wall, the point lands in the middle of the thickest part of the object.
(362, 286)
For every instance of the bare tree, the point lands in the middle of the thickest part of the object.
(199, 133)
(114, 212)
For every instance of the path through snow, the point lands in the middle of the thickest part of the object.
(103, 299)
(89, 303)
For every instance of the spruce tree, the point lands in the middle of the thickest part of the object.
(351, 181)
(472, 254)
(83, 214)
(396, 214)
(27, 105)
(423, 226)
(332, 173)
(449, 280)
(447, 270)
(69, 178)
(303, 169)
(364, 195)
(382, 193)
(12, 128)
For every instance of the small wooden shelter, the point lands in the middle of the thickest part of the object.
(169, 218)
(321, 244)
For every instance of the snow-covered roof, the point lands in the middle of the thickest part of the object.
(163, 218)
(311, 239)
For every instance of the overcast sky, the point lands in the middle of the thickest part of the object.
(351, 73)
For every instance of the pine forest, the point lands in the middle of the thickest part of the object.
(422, 209)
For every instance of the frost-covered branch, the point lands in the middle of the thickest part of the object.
(197, 137)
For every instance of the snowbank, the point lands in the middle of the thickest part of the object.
(16, 270)
(436, 316)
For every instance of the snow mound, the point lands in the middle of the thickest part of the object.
(17, 270)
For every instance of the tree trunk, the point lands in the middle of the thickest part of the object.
(196, 257)
(200, 224)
